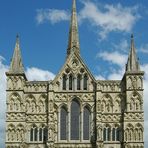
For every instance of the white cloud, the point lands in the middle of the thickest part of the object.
(113, 57)
(3, 69)
(51, 15)
(39, 74)
(123, 45)
(109, 18)
(105, 17)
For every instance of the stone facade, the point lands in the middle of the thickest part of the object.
(115, 108)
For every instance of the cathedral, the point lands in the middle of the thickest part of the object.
(74, 110)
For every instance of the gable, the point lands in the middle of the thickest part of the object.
(75, 67)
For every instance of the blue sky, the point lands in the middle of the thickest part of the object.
(104, 29)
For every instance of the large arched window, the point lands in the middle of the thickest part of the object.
(79, 82)
(85, 82)
(63, 123)
(86, 123)
(64, 82)
(75, 120)
(70, 82)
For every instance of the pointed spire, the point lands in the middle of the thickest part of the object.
(16, 65)
(73, 43)
(132, 63)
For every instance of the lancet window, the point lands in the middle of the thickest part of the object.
(38, 134)
(79, 125)
(63, 123)
(111, 134)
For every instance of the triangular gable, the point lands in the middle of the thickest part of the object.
(74, 64)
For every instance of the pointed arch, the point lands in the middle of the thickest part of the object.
(75, 120)
(85, 82)
(86, 122)
(63, 123)
(79, 77)
(14, 102)
(70, 82)
(108, 102)
(64, 79)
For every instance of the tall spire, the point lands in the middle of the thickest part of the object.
(73, 43)
(132, 63)
(16, 65)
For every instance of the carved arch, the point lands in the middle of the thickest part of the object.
(135, 102)
(14, 103)
(107, 103)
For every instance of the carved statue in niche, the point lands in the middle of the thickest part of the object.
(134, 83)
(99, 132)
(21, 135)
(33, 106)
(14, 82)
(108, 107)
(11, 104)
(18, 106)
(99, 106)
(103, 106)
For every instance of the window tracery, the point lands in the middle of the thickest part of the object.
(38, 134)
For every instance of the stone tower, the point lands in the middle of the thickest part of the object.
(74, 110)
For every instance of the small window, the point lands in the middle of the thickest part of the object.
(35, 134)
(63, 123)
(70, 82)
(108, 134)
(117, 134)
(85, 82)
(40, 134)
(64, 82)
(113, 134)
(31, 134)
(86, 123)
(104, 134)
(45, 134)
(79, 82)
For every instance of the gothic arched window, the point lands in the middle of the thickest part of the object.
(79, 82)
(40, 134)
(31, 134)
(35, 134)
(113, 134)
(75, 120)
(85, 82)
(70, 82)
(63, 123)
(118, 134)
(64, 82)
(86, 123)
(104, 134)
(108, 134)
(45, 134)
